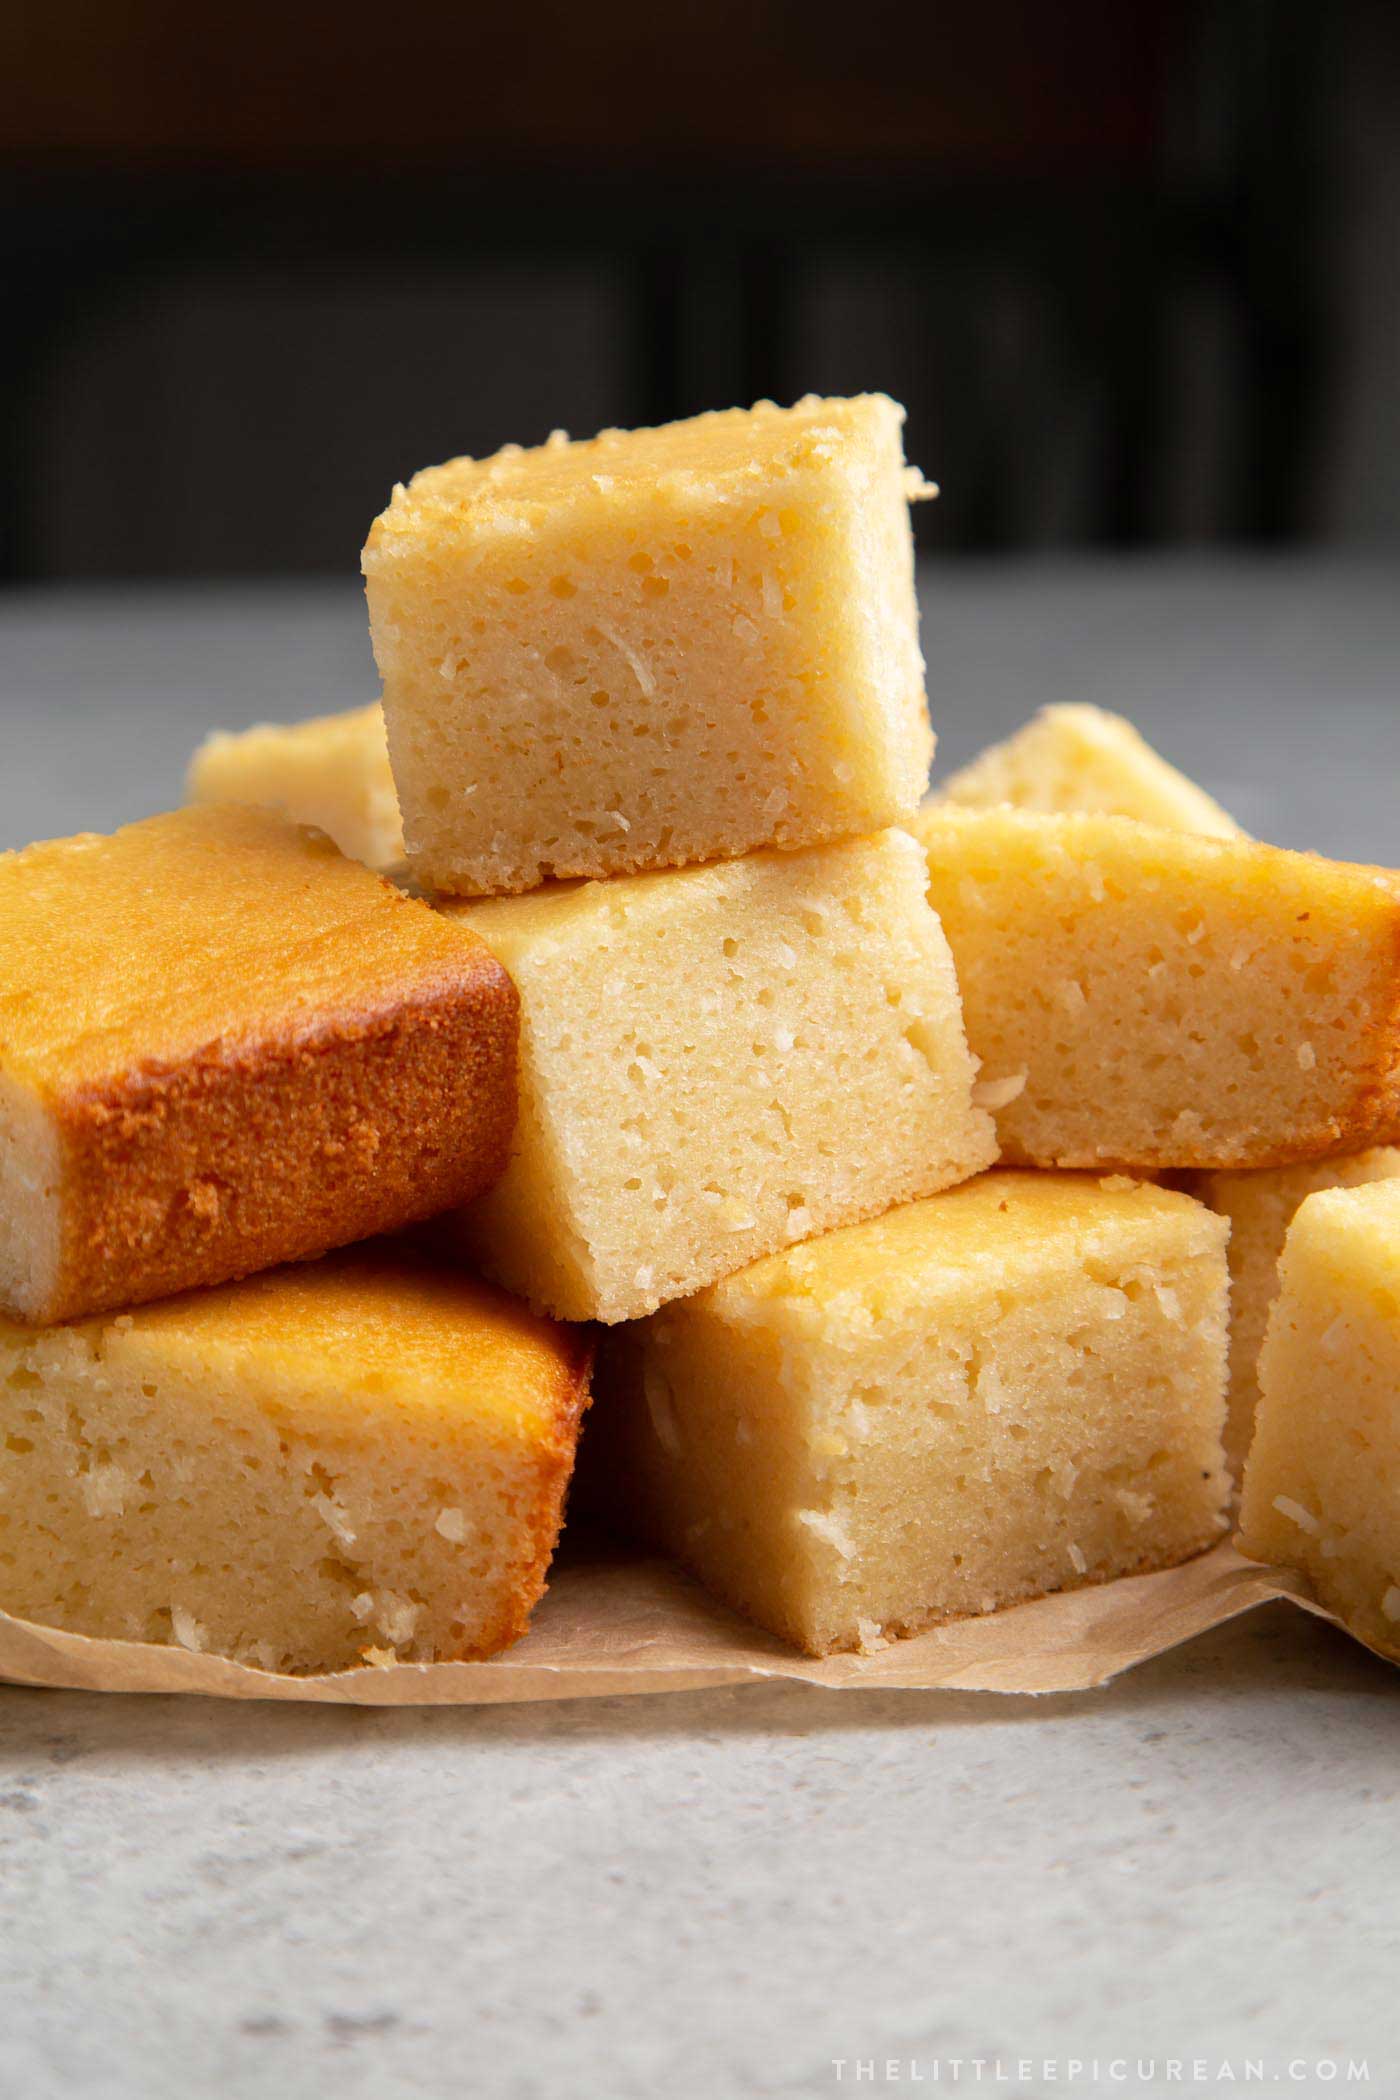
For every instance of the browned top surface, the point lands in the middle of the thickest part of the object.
(209, 926)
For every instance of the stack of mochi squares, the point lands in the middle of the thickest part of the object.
(884, 1151)
(1294, 1159)
(226, 1053)
(654, 713)
(656, 728)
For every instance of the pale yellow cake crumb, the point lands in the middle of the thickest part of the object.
(654, 647)
(1260, 1208)
(1157, 990)
(716, 1062)
(1322, 1480)
(1009, 1388)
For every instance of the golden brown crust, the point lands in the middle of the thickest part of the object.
(545, 1519)
(237, 1159)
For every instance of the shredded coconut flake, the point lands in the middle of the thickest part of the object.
(859, 1418)
(829, 1528)
(1390, 1602)
(640, 670)
(453, 1525)
(1076, 1558)
(662, 1409)
(870, 1636)
(187, 1630)
(1296, 1514)
(999, 1093)
(1137, 1508)
(990, 1388)
(335, 1517)
(1331, 1338)
(1307, 1057)
(104, 1491)
(397, 1617)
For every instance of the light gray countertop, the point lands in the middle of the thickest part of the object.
(728, 1893)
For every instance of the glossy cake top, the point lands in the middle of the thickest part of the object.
(208, 928)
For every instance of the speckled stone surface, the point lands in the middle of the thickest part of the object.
(759, 1891)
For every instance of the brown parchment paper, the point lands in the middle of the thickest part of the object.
(616, 1621)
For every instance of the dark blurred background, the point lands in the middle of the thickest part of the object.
(1132, 267)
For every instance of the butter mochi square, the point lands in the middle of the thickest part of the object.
(1322, 1480)
(360, 1458)
(1260, 1208)
(652, 647)
(716, 1062)
(332, 772)
(1014, 1387)
(1076, 757)
(1153, 999)
(223, 1045)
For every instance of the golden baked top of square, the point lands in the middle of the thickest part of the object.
(207, 925)
(720, 453)
(996, 1234)
(371, 1326)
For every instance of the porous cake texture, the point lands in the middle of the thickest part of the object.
(716, 1062)
(654, 647)
(1260, 1208)
(332, 772)
(1075, 757)
(1014, 1387)
(1154, 999)
(1322, 1480)
(223, 1045)
(361, 1458)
